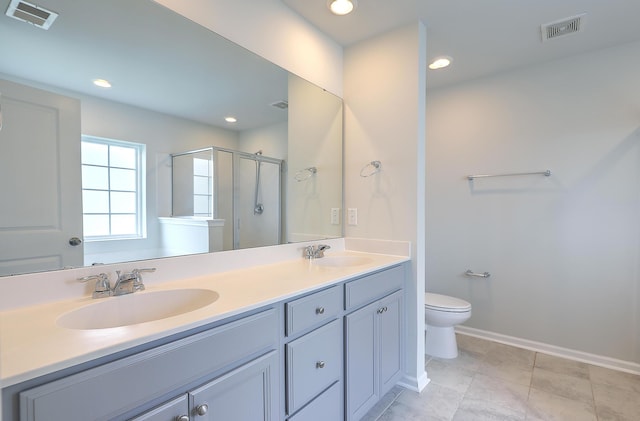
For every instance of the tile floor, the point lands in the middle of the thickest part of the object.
(491, 381)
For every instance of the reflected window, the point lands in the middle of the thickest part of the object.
(112, 189)
(202, 187)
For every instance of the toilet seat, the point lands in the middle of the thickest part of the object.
(440, 302)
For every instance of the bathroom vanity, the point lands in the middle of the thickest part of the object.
(298, 340)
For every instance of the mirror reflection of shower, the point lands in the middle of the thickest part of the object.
(258, 207)
(235, 195)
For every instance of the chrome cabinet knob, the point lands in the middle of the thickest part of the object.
(202, 409)
(182, 418)
(320, 310)
(320, 364)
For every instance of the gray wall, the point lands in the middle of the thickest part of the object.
(562, 251)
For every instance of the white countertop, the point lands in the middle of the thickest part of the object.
(32, 344)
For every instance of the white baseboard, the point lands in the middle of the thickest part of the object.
(414, 384)
(612, 363)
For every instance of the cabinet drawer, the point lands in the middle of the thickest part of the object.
(370, 288)
(314, 362)
(141, 378)
(327, 406)
(170, 411)
(313, 310)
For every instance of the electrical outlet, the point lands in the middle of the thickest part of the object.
(353, 216)
(335, 216)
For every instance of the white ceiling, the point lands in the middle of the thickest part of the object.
(482, 36)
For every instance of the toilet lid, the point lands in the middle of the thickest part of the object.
(444, 302)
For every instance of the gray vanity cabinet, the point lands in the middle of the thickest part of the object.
(314, 358)
(373, 347)
(230, 367)
(242, 395)
(174, 410)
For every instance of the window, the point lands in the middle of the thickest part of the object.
(112, 189)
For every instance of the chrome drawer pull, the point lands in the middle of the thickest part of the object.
(202, 409)
(320, 364)
(320, 310)
(182, 418)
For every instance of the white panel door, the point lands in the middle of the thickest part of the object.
(40, 180)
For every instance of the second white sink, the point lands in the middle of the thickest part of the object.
(139, 307)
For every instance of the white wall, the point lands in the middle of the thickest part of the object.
(562, 251)
(315, 126)
(384, 83)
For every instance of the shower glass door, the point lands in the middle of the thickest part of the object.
(257, 201)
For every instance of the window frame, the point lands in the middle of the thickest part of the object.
(140, 185)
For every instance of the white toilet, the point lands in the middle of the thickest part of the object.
(441, 314)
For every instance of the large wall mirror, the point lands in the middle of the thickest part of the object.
(149, 167)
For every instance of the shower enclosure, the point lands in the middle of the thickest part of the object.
(239, 190)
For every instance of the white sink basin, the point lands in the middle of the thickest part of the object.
(341, 261)
(139, 307)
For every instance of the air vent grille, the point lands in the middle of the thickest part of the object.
(30, 13)
(283, 105)
(563, 27)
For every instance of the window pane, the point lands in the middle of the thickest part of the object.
(95, 178)
(123, 202)
(123, 157)
(95, 225)
(201, 166)
(200, 185)
(95, 153)
(123, 225)
(123, 179)
(201, 205)
(95, 201)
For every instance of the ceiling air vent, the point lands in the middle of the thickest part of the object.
(563, 27)
(30, 13)
(283, 105)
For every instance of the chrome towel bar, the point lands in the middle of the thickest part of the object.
(479, 275)
(546, 173)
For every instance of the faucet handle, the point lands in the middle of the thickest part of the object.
(320, 250)
(102, 287)
(138, 285)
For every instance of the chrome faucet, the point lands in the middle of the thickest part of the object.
(130, 282)
(127, 283)
(315, 252)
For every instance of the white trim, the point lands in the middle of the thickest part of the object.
(415, 384)
(572, 354)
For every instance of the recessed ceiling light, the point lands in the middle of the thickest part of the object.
(342, 7)
(440, 63)
(103, 83)
(230, 119)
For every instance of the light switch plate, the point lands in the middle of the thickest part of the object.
(352, 216)
(335, 216)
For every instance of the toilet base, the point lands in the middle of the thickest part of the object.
(441, 342)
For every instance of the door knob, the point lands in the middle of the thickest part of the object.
(75, 241)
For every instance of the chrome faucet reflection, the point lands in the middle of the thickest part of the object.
(127, 283)
(315, 252)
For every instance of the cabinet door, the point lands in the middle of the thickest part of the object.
(390, 341)
(249, 393)
(170, 411)
(326, 407)
(360, 359)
